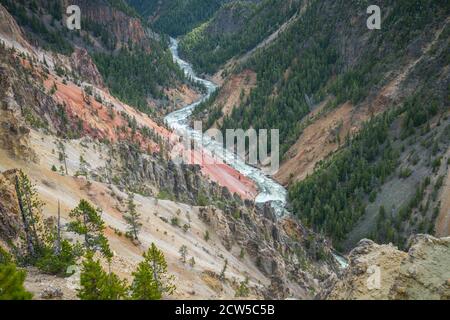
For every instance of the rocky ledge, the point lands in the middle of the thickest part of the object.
(384, 272)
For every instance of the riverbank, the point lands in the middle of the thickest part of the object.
(268, 189)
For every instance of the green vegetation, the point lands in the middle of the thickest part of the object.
(135, 73)
(42, 245)
(132, 217)
(135, 76)
(183, 253)
(175, 221)
(176, 17)
(151, 280)
(417, 215)
(89, 224)
(202, 199)
(11, 283)
(96, 284)
(208, 50)
(206, 236)
(123, 6)
(51, 38)
(56, 262)
(333, 198)
(222, 275)
(243, 290)
(165, 195)
(306, 63)
(11, 279)
(309, 67)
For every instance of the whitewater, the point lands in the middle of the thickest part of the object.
(269, 190)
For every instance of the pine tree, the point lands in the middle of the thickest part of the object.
(133, 217)
(89, 224)
(243, 290)
(183, 252)
(151, 280)
(31, 212)
(58, 231)
(96, 284)
(11, 283)
(83, 171)
(242, 254)
(62, 155)
(224, 269)
(43, 246)
(11, 279)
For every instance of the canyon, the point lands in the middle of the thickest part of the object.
(359, 208)
(109, 147)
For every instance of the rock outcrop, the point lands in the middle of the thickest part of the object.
(10, 30)
(14, 136)
(230, 18)
(125, 28)
(282, 249)
(83, 64)
(150, 175)
(384, 272)
(10, 221)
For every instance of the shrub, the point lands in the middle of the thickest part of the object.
(57, 264)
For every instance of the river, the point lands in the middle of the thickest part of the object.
(269, 190)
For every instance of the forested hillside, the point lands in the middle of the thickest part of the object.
(86, 180)
(310, 61)
(135, 76)
(176, 17)
(115, 47)
(357, 183)
(385, 179)
(89, 155)
(236, 28)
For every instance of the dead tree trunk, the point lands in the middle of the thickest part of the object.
(26, 225)
(58, 231)
(33, 221)
(65, 164)
(86, 239)
(155, 274)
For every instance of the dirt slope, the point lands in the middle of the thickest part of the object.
(156, 216)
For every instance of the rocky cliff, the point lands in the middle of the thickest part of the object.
(82, 63)
(295, 259)
(10, 30)
(384, 272)
(10, 221)
(76, 141)
(125, 28)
